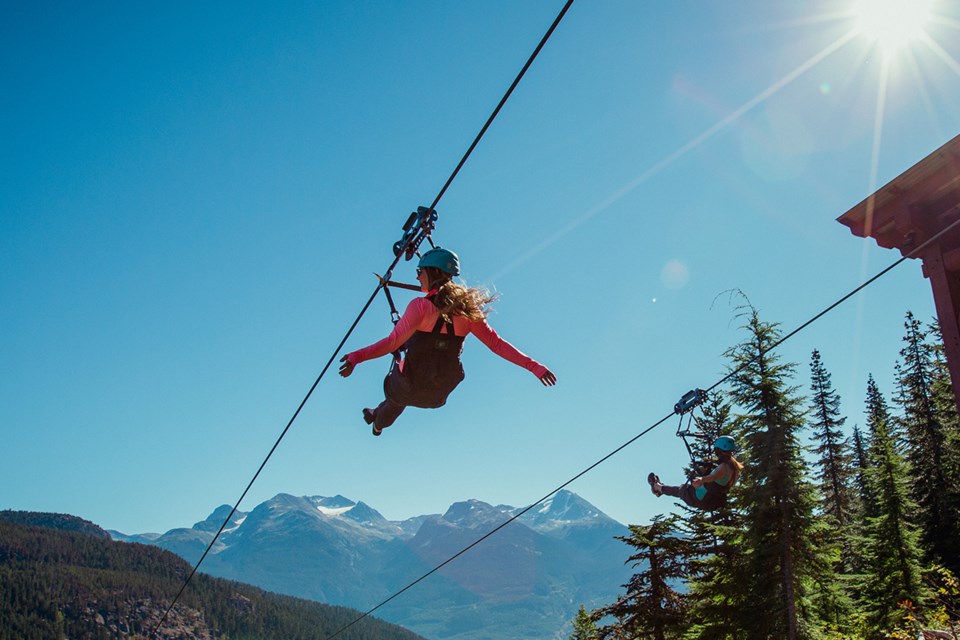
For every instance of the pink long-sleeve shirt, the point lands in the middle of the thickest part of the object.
(421, 315)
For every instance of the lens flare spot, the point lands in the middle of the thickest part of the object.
(674, 275)
(825, 88)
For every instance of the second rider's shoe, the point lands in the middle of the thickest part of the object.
(654, 481)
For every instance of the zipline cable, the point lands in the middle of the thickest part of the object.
(363, 311)
(602, 460)
(911, 254)
(503, 100)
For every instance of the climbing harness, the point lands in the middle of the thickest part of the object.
(431, 370)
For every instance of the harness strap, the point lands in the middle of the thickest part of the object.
(734, 475)
(394, 314)
(441, 324)
(395, 318)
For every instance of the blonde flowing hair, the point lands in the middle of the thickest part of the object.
(454, 299)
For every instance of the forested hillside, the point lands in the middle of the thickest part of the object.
(75, 583)
(840, 527)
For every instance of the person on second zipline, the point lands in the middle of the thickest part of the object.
(708, 492)
(433, 328)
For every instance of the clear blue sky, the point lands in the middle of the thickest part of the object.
(194, 196)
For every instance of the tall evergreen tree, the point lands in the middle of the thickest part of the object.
(835, 481)
(782, 533)
(861, 497)
(834, 458)
(933, 487)
(892, 571)
(651, 607)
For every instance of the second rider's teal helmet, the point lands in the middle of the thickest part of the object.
(725, 443)
(443, 259)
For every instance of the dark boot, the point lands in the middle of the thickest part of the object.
(370, 417)
(654, 480)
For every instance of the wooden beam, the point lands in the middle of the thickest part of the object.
(946, 296)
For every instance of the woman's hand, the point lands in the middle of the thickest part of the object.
(346, 368)
(548, 379)
(697, 483)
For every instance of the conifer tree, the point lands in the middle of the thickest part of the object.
(834, 458)
(782, 534)
(651, 608)
(583, 626)
(892, 570)
(933, 487)
(834, 462)
(860, 499)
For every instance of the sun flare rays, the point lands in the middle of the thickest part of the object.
(899, 29)
(892, 24)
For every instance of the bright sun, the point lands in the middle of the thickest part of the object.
(892, 23)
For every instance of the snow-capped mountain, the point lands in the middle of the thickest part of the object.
(563, 513)
(525, 581)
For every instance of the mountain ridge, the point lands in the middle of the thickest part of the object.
(524, 582)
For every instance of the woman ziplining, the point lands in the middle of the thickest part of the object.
(708, 492)
(432, 330)
(424, 217)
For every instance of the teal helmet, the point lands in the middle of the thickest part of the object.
(725, 443)
(443, 259)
